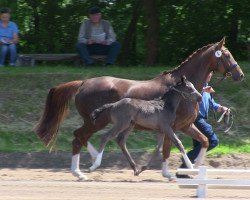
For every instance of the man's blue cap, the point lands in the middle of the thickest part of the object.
(94, 10)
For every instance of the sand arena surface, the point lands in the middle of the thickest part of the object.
(27, 181)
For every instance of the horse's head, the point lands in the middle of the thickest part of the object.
(225, 63)
(187, 89)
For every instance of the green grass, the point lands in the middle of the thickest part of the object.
(23, 92)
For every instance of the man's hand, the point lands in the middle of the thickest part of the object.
(105, 42)
(90, 41)
(223, 109)
(208, 89)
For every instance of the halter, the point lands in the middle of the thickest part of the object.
(218, 54)
(185, 95)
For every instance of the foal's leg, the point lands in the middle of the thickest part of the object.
(169, 131)
(121, 141)
(160, 139)
(197, 135)
(117, 128)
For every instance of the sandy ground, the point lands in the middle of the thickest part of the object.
(21, 178)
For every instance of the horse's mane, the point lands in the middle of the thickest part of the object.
(188, 59)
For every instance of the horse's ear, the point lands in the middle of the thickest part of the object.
(183, 78)
(221, 43)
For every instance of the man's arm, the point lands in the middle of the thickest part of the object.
(111, 35)
(15, 38)
(217, 107)
(81, 35)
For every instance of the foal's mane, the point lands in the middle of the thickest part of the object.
(188, 59)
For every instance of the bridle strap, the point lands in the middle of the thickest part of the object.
(185, 95)
(228, 71)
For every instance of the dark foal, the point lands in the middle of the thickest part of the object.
(156, 115)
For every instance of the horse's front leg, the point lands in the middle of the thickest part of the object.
(197, 135)
(166, 153)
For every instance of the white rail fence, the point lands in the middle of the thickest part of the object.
(202, 182)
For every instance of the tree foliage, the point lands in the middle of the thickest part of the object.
(151, 31)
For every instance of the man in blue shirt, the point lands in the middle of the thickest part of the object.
(202, 124)
(8, 38)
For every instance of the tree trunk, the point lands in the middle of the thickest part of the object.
(234, 29)
(152, 32)
(35, 14)
(128, 51)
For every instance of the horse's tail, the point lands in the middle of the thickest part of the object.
(96, 113)
(56, 109)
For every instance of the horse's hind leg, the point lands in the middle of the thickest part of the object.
(81, 137)
(166, 154)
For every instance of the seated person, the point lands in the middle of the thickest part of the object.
(97, 37)
(8, 37)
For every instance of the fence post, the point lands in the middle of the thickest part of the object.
(202, 188)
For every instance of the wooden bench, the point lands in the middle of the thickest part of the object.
(202, 182)
(31, 59)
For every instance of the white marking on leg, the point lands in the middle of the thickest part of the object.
(187, 161)
(200, 158)
(92, 151)
(165, 171)
(97, 162)
(75, 170)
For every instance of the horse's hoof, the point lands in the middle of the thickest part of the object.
(79, 175)
(170, 176)
(83, 178)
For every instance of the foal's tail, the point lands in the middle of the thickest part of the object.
(96, 113)
(56, 109)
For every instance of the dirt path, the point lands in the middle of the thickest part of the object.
(107, 183)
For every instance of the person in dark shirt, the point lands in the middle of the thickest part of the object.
(97, 37)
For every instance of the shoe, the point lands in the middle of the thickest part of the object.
(183, 165)
(89, 64)
(182, 176)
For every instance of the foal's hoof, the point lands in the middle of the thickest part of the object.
(143, 168)
(136, 172)
(92, 168)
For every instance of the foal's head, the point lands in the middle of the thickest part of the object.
(187, 90)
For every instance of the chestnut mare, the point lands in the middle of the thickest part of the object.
(92, 93)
